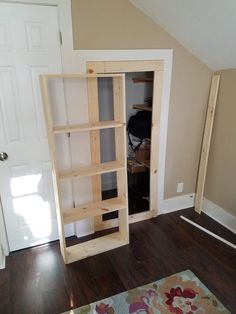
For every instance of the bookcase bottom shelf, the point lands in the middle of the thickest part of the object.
(95, 246)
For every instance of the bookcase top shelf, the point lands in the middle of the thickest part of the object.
(80, 76)
(87, 127)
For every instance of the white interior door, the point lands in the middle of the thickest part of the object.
(29, 46)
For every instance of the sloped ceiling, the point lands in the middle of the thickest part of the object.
(205, 27)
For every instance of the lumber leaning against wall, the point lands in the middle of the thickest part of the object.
(206, 142)
(221, 171)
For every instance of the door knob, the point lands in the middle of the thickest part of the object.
(3, 156)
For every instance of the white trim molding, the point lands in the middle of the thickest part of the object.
(176, 203)
(2, 258)
(4, 248)
(208, 232)
(220, 215)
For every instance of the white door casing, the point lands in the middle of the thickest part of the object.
(29, 46)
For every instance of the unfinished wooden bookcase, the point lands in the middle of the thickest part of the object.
(94, 170)
(157, 67)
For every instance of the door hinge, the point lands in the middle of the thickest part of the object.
(60, 37)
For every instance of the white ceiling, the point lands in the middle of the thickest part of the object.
(206, 27)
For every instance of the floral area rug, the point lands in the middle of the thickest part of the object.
(182, 293)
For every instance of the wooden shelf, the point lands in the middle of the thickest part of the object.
(93, 209)
(95, 246)
(142, 79)
(90, 170)
(133, 166)
(142, 107)
(81, 76)
(86, 127)
(146, 163)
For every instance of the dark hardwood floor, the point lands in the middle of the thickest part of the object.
(37, 281)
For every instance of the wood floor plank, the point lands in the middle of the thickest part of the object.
(36, 280)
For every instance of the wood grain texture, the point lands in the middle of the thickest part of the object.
(94, 209)
(121, 153)
(90, 170)
(95, 145)
(37, 281)
(206, 142)
(96, 246)
(155, 140)
(86, 127)
(95, 169)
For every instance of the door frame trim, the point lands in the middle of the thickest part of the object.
(3, 236)
(129, 66)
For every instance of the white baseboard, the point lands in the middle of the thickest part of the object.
(2, 258)
(220, 215)
(176, 203)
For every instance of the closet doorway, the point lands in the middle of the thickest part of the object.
(148, 75)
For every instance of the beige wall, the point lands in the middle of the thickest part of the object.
(117, 24)
(221, 171)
